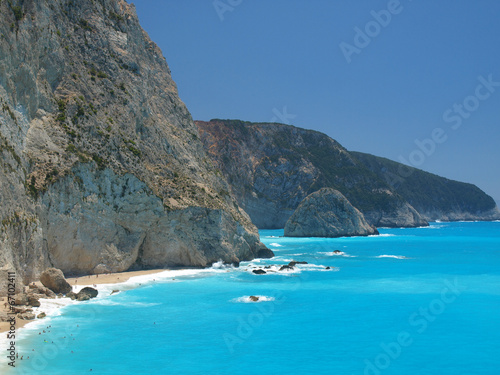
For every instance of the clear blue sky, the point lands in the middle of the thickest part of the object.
(266, 60)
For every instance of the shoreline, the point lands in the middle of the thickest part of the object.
(88, 280)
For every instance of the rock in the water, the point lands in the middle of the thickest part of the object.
(265, 253)
(327, 213)
(114, 291)
(41, 315)
(286, 268)
(53, 279)
(337, 252)
(253, 298)
(328, 268)
(259, 272)
(86, 294)
(71, 295)
(293, 263)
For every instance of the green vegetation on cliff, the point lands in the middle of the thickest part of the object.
(430, 194)
(271, 167)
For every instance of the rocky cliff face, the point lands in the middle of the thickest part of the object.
(101, 165)
(271, 168)
(434, 197)
(327, 213)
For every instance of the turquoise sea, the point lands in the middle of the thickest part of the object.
(410, 301)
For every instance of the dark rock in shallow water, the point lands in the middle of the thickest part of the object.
(337, 252)
(21, 299)
(53, 279)
(259, 272)
(71, 295)
(327, 213)
(286, 267)
(41, 315)
(265, 253)
(114, 291)
(86, 294)
(293, 263)
(327, 268)
(253, 298)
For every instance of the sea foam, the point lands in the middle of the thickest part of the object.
(391, 256)
(246, 299)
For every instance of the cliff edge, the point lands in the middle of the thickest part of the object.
(102, 168)
(272, 167)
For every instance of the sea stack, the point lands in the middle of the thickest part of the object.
(327, 213)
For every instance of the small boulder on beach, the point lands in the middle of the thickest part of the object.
(26, 316)
(53, 279)
(33, 301)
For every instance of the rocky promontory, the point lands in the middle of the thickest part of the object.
(272, 167)
(327, 213)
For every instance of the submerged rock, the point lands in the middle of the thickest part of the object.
(293, 263)
(259, 272)
(253, 298)
(327, 213)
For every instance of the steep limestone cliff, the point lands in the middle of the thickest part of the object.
(327, 213)
(271, 168)
(101, 165)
